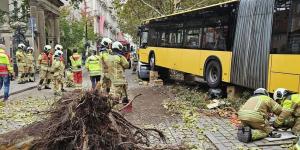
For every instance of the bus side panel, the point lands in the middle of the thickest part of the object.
(224, 57)
(163, 57)
(284, 72)
(144, 54)
(189, 61)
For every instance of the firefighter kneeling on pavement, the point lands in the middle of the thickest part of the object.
(254, 115)
(117, 64)
(290, 115)
(58, 68)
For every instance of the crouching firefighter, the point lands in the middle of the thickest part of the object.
(290, 115)
(116, 64)
(254, 117)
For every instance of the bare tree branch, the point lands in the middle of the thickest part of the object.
(152, 7)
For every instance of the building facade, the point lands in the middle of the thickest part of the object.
(44, 18)
(105, 20)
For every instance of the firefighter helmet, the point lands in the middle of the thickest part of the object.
(117, 45)
(261, 91)
(280, 94)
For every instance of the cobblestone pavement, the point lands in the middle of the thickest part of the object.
(225, 136)
(16, 88)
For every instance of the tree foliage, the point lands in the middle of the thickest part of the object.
(131, 14)
(73, 29)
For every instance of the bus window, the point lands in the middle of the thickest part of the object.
(193, 38)
(215, 38)
(294, 37)
(280, 26)
(144, 39)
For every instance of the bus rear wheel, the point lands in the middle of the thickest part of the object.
(213, 74)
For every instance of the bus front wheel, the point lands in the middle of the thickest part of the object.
(152, 62)
(213, 74)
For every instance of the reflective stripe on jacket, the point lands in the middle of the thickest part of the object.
(5, 65)
(76, 62)
(94, 66)
(257, 108)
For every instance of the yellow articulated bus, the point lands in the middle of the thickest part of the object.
(250, 43)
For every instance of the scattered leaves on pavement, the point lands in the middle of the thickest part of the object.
(18, 113)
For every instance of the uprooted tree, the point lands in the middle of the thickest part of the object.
(89, 122)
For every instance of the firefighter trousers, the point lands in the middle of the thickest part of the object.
(259, 130)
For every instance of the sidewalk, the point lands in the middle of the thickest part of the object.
(16, 88)
(220, 132)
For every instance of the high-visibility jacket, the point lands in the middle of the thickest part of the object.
(257, 108)
(116, 66)
(76, 62)
(290, 107)
(5, 65)
(94, 65)
(45, 61)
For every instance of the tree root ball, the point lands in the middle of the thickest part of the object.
(88, 121)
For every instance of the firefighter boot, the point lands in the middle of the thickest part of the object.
(244, 134)
(274, 135)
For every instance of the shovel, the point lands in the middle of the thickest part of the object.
(128, 107)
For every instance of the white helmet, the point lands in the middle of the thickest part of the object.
(261, 91)
(58, 47)
(117, 45)
(22, 46)
(280, 94)
(58, 53)
(29, 48)
(47, 48)
(106, 41)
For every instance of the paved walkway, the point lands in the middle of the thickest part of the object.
(16, 88)
(219, 131)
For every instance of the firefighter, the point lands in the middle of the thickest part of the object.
(117, 64)
(30, 64)
(21, 63)
(76, 69)
(94, 67)
(59, 47)
(104, 53)
(6, 70)
(254, 116)
(290, 115)
(45, 63)
(58, 68)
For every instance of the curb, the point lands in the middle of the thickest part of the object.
(20, 91)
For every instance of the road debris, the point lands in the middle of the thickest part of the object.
(215, 104)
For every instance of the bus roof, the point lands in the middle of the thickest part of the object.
(192, 10)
